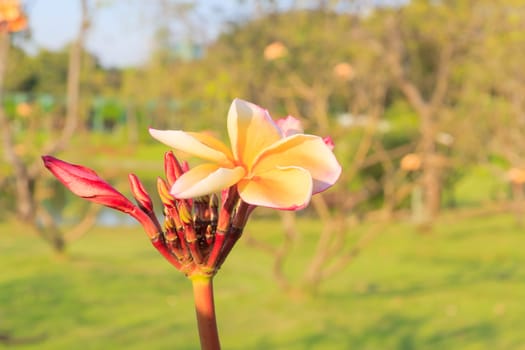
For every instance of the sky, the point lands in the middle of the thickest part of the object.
(122, 31)
(117, 37)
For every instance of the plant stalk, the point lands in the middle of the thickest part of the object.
(205, 310)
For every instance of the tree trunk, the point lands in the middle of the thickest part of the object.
(23, 184)
(430, 166)
(73, 77)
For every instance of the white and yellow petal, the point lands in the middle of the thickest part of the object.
(251, 129)
(287, 188)
(199, 145)
(305, 151)
(205, 179)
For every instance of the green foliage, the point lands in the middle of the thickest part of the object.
(402, 119)
(480, 185)
(459, 288)
(482, 107)
(45, 72)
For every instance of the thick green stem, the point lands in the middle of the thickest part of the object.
(205, 310)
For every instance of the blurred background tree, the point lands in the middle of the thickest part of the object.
(25, 135)
(421, 79)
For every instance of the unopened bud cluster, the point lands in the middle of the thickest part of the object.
(197, 233)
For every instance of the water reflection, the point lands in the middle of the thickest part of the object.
(111, 218)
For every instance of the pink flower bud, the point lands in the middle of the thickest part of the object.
(290, 126)
(85, 183)
(329, 142)
(140, 194)
(185, 166)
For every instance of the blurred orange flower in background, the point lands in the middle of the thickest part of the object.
(516, 176)
(12, 18)
(344, 71)
(411, 162)
(24, 109)
(275, 51)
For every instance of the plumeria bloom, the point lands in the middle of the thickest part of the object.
(273, 164)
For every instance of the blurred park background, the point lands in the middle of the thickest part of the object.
(418, 246)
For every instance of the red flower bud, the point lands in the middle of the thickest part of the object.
(172, 168)
(85, 183)
(140, 194)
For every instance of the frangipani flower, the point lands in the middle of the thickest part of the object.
(272, 166)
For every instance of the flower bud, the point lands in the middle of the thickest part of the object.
(329, 142)
(184, 213)
(139, 193)
(172, 168)
(185, 166)
(290, 126)
(164, 193)
(85, 183)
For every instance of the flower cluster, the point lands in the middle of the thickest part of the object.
(271, 164)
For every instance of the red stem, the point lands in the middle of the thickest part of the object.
(239, 221)
(205, 310)
(161, 247)
(152, 230)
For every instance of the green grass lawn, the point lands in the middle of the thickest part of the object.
(460, 287)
